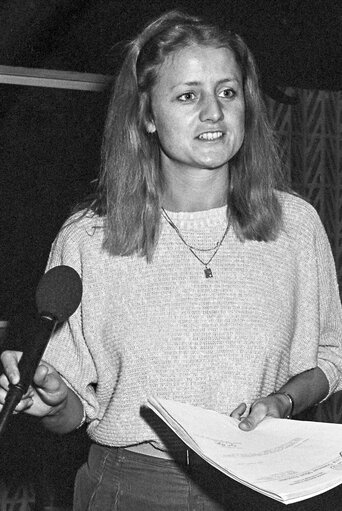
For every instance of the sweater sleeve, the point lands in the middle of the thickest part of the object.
(67, 350)
(317, 339)
(330, 315)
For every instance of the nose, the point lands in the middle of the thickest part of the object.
(211, 109)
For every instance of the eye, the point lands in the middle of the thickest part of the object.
(227, 93)
(187, 96)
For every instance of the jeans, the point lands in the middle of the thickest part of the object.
(116, 479)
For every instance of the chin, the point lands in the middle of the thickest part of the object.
(214, 164)
(215, 161)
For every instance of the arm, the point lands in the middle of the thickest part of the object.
(306, 389)
(317, 338)
(48, 397)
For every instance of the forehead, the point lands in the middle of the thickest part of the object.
(198, 63)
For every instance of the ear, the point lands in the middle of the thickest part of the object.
(150, 127)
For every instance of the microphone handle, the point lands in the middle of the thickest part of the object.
(27, 367)
(31, 356)
(12, 399)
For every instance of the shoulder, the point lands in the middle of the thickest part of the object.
(81, 234)
(299, 216)
(81, 225)
(302, 224)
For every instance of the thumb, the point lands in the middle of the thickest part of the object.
(46, 379)
(40, 379)
(256, 415)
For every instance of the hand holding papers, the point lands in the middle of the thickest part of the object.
(286, 460)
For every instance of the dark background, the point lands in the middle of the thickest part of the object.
(296, 42)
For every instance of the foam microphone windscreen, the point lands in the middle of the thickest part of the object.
(59, 292)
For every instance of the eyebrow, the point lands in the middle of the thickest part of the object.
(196, 83)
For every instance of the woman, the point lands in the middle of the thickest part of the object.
(204, 281)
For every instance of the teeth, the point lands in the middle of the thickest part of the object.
(211, 135)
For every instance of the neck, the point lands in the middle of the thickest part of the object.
(195, 193)
(191, 203)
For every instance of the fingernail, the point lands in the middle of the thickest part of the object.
(245, 424)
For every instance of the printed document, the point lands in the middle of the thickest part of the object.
(287, 460)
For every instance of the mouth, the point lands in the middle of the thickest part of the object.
(210, 135)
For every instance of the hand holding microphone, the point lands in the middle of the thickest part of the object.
(57, 297)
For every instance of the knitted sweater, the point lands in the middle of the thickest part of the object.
(270, 311)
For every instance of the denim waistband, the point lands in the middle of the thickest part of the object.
(182, 456)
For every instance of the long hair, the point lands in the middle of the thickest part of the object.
(130, 185)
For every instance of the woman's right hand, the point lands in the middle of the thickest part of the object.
(48, 390)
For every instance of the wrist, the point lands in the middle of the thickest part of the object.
(66, 415)
(288, 402)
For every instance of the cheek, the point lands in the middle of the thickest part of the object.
(169, 129)
(240, 126)
(242, 130)
(240, 138)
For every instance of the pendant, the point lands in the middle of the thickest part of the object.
(208, 273)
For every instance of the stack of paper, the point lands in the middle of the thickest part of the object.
(286, 460)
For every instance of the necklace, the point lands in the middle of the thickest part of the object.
(207, 270)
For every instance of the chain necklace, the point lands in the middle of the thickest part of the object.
(207, 270)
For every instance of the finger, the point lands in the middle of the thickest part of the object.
(10, 361)
(257, 414)
(25, 402)
(239, 411)
(23, 405)
(3, 394)
(4, 386)
(4, 382)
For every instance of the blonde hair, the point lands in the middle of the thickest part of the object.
(131, 182)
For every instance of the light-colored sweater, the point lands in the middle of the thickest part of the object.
(270, 311)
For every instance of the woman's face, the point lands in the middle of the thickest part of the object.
(198, 109)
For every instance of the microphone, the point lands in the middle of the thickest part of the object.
(58, 295)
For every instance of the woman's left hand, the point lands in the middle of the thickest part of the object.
(275, 405)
